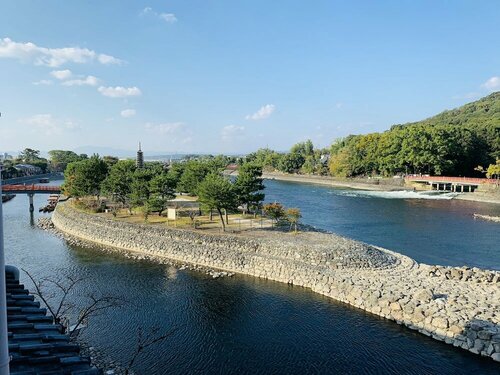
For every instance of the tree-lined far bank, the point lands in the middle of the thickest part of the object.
(452, 143)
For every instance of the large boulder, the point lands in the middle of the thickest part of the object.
(423, 295)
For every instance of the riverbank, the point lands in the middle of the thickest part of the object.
(35, 178)
(495, 219)
(361, 184)
(480, 197)
(385, 184)
(456, 305)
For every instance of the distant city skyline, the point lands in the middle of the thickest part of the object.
(232, 77)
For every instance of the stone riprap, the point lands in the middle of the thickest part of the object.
(460, 306)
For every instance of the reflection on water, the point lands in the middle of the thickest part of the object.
(241, 325)
(396, 194)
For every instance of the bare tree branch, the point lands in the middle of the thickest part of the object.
(61, 309)
(144, 343)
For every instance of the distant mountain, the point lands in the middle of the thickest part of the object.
(482, 112)
(120, 153)
(104, 151)
(164, 157)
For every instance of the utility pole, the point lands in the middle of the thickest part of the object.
(4, 339)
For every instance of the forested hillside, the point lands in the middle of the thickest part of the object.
(483, 112)
(453, 143)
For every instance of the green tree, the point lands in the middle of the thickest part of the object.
(85, 177)
(194, 172)
(162, 189)
(249, 185)
(59, 159)
(295, 159)
(29, 155)
(218, 163)
(217, 193)
(340, 165)
(110, 160)
(309, 165)
(176, 170)
(140, 187)
(291, 163)
(303, 148)
(118, 183)
(268, 159)
(41, 163)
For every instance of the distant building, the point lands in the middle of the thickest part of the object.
(324, 159)
(28, 169)
(139, 161)
(5, 156)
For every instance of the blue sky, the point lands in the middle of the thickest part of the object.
(233, 76)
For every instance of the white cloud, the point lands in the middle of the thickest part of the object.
(61, 74)
(45, 82)
(231, 132)
(47, 125)
(339, 105)
(65, 75)
(119, 91)
(167, 17)
(44, 120)
(263, 113)
(126, 113)
(52, 57)
(176, 132)
(70, 125)
(87, 81)
(108, 59)
(166, 128)
(492, 84)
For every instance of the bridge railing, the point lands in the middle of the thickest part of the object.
(444, 179)
(28, 188)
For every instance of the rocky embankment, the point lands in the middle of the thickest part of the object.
(495, 219)
(460, 306)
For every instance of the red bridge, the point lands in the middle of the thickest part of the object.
(445, 179)
(30, 189)
(454, 184)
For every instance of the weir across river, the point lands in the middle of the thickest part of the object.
(453, 184)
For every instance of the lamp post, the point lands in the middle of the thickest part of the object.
(4, 340)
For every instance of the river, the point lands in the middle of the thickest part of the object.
(244, 325)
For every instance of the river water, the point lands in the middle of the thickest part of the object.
(243, 325)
